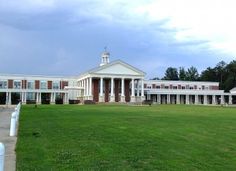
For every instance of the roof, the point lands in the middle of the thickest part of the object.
(99, 68)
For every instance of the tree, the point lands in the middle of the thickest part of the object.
(192, 74)
(182, 73)
(155, 78)
(221, 73)
(171, 74)
(209, 74)
(229, 79)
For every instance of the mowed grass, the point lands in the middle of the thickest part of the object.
(119, 137)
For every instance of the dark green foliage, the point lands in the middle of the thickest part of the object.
(182, 74)
(109, 137)
(171, 74)
(223, 73)
(192, 74)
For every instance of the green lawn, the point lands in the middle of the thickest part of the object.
(118, 137)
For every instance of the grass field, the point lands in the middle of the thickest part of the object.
(109, 137)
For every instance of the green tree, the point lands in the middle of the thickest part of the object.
(229, 77)
(209, 74)
(221, 73)
(171, 74)
(182, 74)
(192, 74)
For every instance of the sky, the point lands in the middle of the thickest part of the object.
(67, 37)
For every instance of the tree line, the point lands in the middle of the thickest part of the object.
(223, 73)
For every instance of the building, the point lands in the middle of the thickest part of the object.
(114, 81)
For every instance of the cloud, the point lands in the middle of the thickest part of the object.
(61, 37)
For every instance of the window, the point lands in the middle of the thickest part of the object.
(158, 87)
(30, 85)
(43, 84)
(175, 87)
(3, 84)
(166, 87)
(56, 85)
(17, 84)
(183, 87)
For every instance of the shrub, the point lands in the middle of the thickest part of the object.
(74, 101)
(89, 102)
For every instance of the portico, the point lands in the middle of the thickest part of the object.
(113, 82)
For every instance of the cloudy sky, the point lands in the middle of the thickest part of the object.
(66, 37)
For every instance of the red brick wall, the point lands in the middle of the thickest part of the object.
(214, 87)
(36, 84)
(127, 91)
(95, 90)
(117, 83)
(106, 90)
(63, 84)
(24, 84)
(10, 83)
(49, 84)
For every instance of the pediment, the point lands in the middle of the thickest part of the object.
(118, 68)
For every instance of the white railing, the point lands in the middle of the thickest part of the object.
(2, 156)
(14, 120)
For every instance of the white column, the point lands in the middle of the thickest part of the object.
(90, 88)
(142, 91)
(177, 99)
(196, 99)
(213, 99)
(101, 97)
(205, 100)
(168, 98)
(132, 91)
(132, 86)
(122, 98)
(138, 88)
(158, 99)
(40, 98)
(87, 86)
(66, 100)
(54, 98)
(24, 99)
(222, 99)
(22, 96)
(142, 88)
(51, 98)
(187, 99)
(9, 98)
(112, 98)
(230, 99)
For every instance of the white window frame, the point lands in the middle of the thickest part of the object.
(16, 86)
(33, 84)
(4, 85)
(55, 82)
(43, 82)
